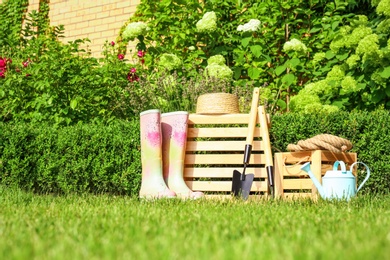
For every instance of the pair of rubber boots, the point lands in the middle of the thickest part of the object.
(163, 145)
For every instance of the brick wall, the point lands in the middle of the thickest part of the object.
(98, 20)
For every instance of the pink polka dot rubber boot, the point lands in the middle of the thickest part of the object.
(153, 185)
(174, 133)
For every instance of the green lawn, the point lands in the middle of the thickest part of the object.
(109, 227)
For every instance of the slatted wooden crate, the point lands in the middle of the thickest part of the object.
(215, 148)
(291, 181)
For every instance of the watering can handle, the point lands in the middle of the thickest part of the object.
(342, 165)
(367, 176)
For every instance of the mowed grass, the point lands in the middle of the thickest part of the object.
(111, 227)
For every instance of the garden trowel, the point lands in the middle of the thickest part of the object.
(242, 183)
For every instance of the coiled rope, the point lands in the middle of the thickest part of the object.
(322, 142)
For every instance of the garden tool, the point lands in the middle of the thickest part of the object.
(174, 133)
(242, 183)
(337, 184)
(269, 165)
(153, 184)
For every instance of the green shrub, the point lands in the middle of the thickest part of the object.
(81, 158)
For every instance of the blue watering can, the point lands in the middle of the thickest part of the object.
(337, 184)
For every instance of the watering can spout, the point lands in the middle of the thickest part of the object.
(306, 168)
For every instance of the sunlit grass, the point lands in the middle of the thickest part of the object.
(109, 227)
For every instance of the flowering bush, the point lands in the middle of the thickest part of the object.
(61, 84)
(360, 77)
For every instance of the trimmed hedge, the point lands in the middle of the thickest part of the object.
(82, 158)
(106, 158)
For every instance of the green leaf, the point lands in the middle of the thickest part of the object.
(73, 104)
(279, 70)
(387, 91)
(256, 50)
(288, 79)
(385, 73)
(282, 104)
(254, 73)
(315, 29)
(246, 41)
(294, 62)
(334, 25)
(342, 56)
(329, 55)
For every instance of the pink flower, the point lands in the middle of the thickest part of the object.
(25, 63)
(133, 70)
(141, 54)
(3, 62)
(121, 56)
(112, 43)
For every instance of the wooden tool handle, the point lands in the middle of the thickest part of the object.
(252, 116)
(265, 136)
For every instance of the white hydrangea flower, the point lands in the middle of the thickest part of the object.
(169, 61)
(252, 26)
(353, 61)
(383, 8)
(208, 23)
(348, 86)
(135, 29)
(318, 57)
(219, 71)
(216, 59)
(294, 45)
(368, 47)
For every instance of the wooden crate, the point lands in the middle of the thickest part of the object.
(291, 181)
(215, 148)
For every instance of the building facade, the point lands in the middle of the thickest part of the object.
(97, 20)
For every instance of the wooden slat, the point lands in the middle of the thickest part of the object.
(226, 172)
(297, 184)
(296, 157)
(295, 170)
(222, 146)
(226, 132)
(348, 158)
(326, 156)
(222, 186)
(218, 119)
(227, 159)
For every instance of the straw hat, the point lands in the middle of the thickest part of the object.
(217, 103)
